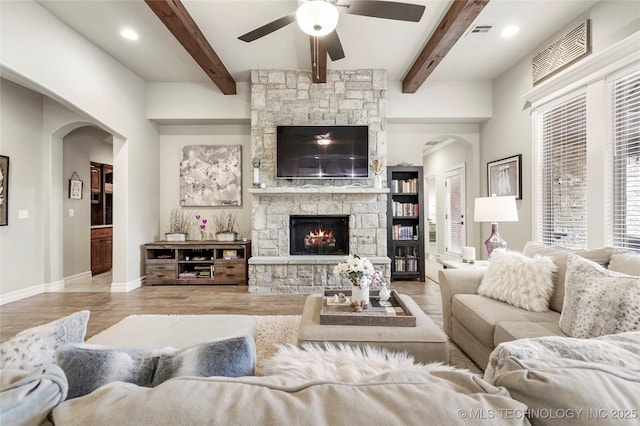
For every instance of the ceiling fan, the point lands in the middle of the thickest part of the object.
(319, 18)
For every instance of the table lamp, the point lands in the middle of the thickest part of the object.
(495, 209)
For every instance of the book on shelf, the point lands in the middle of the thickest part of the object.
(187, 274)
(230, 254)
(408, 264)
(404, 232)
(405, 209)
(404, 186)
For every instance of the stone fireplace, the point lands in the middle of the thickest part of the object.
(318, 234)
(289, 98)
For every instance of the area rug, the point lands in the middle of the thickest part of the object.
(274, 330)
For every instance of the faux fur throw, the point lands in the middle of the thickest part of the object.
(618, 350)
(342, 363)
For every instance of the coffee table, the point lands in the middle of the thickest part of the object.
(426, 341)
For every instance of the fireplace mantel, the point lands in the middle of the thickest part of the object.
(318, 190)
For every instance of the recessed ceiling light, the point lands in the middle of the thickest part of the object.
(129, 34)
(510, 31)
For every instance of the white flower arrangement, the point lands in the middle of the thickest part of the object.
(355, 268)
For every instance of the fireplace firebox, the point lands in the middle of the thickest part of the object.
(324, 235)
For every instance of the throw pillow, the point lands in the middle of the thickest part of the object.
(521, 281)
(598, 301)
(36, 346)
(625, 262)
(89, 367)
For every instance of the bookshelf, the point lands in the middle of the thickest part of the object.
(405, 217)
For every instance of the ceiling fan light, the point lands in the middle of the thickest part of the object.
(317, 17)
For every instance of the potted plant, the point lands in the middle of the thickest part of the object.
(225, 225)
(180, 224)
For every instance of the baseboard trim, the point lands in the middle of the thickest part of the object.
(23, 293)
(54, 286)
(126, 287)
(80, 276)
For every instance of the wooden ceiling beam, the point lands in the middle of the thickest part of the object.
(450, 29)
(318, 60)
(178, 20)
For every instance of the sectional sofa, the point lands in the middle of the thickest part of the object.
(477, 324)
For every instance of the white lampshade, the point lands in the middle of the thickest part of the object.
(496, 209)
(317, 17)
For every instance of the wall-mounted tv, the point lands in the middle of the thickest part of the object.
(322, 152)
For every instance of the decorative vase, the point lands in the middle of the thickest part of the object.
(384, 294)
(360, 291)
(175, 236)
(226, 236)
(377, 181)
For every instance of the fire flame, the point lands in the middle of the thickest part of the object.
(321, 233)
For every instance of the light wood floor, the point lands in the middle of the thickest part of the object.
(109, 308)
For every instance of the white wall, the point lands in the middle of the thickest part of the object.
(172, 139)
(58, 62)
(80, 147)
(440, 101)
(190, 102)
(21, 246)
(77, 232)
(437, 163)
(102, 152)
(464, 102)
(509, 132)
(406, 141)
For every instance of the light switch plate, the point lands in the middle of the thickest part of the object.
(72, 212)
(23, 214)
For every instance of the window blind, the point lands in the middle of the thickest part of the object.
(624, 93)
(453, 186)
(563, 138)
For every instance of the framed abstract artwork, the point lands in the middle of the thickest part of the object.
(504, 177)
(4, 190)
(211, 175)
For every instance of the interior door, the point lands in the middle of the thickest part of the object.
(455, 208)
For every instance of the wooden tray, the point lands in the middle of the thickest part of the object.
(375, 315)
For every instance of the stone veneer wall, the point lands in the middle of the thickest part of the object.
(289, 98)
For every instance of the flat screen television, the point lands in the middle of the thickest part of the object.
(322, 152)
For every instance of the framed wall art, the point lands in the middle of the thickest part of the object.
(4, 190)
(504, 177)
(211, 175)
(75, 187)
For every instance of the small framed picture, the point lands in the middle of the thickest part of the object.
(504, 177)
(75, 187)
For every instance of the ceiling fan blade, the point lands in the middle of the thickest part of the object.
(387, 10)
(268, 28)
(332, 44)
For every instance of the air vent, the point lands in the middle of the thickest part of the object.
(480, 29)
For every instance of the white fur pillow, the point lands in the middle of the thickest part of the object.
(521, 281)
(597, 301)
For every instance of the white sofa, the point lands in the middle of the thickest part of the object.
(478, 324)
